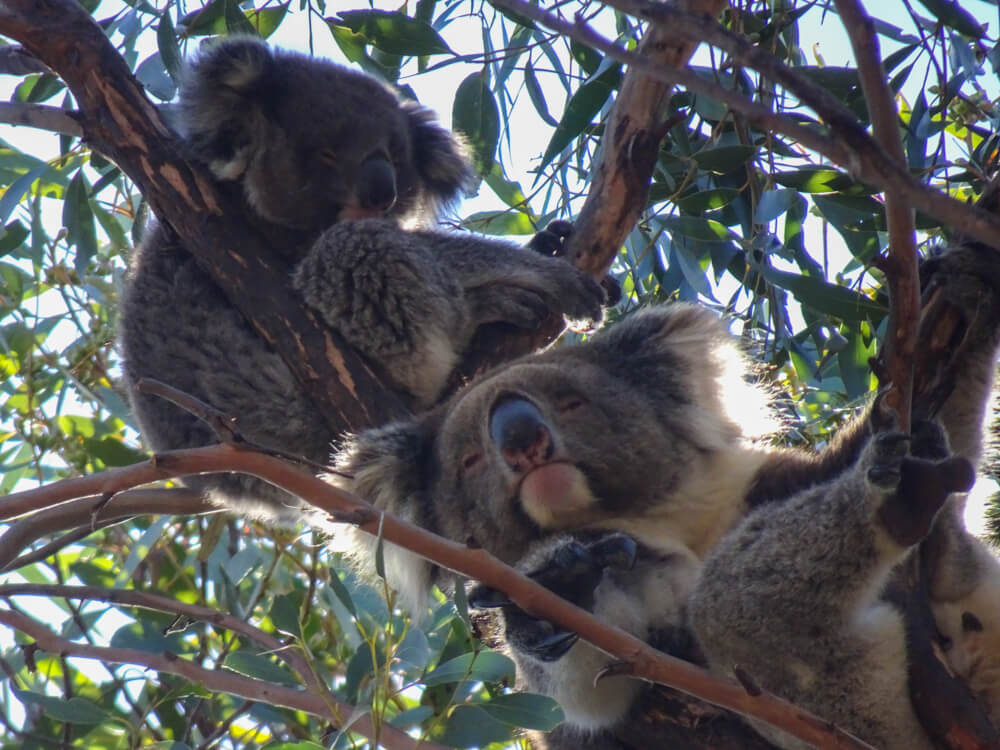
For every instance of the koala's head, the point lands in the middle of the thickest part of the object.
(565, 439)
(313, 142)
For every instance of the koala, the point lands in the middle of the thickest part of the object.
(610, 470)
(350, 175)
(792, 595)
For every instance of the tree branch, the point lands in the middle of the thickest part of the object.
(325, 706)
(643, 661)
(39, 116)
(91, 513)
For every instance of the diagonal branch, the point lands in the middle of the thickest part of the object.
(642, 660)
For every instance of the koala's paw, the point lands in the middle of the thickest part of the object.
(552, 239)
(885, 468)
(912, 489)
(578, 297)
(572, 569)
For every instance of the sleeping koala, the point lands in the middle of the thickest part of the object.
(611, 469)
(349, 172)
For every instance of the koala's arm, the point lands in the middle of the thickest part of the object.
(792, 594)
(412, 300)
(966, 278)
(505, 283)
(637, 590)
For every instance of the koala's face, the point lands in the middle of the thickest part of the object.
(312, 142)
(547, 445)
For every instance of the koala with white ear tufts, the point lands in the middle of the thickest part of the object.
(609, 471)
(349, 172)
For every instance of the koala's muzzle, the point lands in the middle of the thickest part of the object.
(520, 433)
(377, 184)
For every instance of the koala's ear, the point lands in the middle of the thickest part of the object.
(441, 157)
(224, 93)
(389, 467)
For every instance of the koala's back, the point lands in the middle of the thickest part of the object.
(213, 354)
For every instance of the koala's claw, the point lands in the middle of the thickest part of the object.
(546, 647)
(552, 239)
(572, 569)
(888, 452)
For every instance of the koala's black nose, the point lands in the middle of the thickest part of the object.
(520, 432)
(377, 184)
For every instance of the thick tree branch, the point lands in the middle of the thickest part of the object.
(242, 255)
(643, 661)
(322, 705)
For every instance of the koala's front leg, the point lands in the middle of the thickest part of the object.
(390, 299)
(507, 284)
(792, 594)
(637, 591)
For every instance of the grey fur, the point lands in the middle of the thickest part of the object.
(643, 430)
(344, 168)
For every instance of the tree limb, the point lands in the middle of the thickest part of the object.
(40, 116)
(91, 513)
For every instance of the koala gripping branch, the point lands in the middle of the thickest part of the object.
(241, 255)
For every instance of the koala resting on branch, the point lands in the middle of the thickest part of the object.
(611, 470)
(349, 174)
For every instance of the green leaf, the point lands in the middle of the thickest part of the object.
(252, 664)
(500, 223)
(697, 228)
(509, 192)
(582, 107)
(824, 297)
(476, 116)
(536, 95)
(79, 221)
(76, 710)
(820, 180)
(152, 74)
(484, 666)
(236, 21)
(393, 32)
(706, 200)
(950, 13)
(725, 159)
(17, 190)
(773, 203)
(13, 236)
(266, 21)
(285, 615)
(471, 726)
(525, 710)
(166, 43)
(209, 19)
